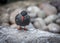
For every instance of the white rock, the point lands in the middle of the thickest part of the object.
(49, 9)
(58, 21)
(4, 20)
(39, 23)
(5, 24)
(41, 14)
(50, 19)
(14, 26)
(5, 17)
(33, 10)
(54, 27)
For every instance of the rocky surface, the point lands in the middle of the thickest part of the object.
(10, 35)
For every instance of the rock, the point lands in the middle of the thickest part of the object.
(54, 27)
(14, 26)
(49, 9)
(58, 15)
(41, 14)
(39, 24)
(4, 19)
(56, 3)
(13, 14)
(50, 19)
(10, 35)
(32, 20)
(5, 24)
(35, 11)
(58, 21)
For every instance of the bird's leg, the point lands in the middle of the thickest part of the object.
(25, 28)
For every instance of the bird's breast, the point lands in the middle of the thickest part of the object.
(22, 18)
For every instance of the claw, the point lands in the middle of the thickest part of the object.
(25, 29)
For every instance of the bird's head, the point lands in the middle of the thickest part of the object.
(23, 13)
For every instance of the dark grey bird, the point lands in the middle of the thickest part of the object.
(22, 19)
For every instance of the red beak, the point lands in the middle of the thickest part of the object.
(22, 18)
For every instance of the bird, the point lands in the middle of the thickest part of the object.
(22, 19)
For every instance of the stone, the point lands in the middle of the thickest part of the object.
(39, 24)
(14, 26)
(41, 14)
(49, 9)
(36, 11)
(5, 24)
(56, 3)
(54, 27)
(10, 35)
(33, 11)
(50, 19)
(5, 17)
(58, 21)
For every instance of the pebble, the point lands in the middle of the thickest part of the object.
(33, 11)
(50, 19)
(5, 24)
(5, 17)
(4, 20)
(41, 14)
(58, 21)
(14, 26)
(49, 9)
(39, 24)
(54, 27)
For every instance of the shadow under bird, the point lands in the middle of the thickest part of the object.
(22, 19)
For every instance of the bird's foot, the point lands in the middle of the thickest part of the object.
(25, 29)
